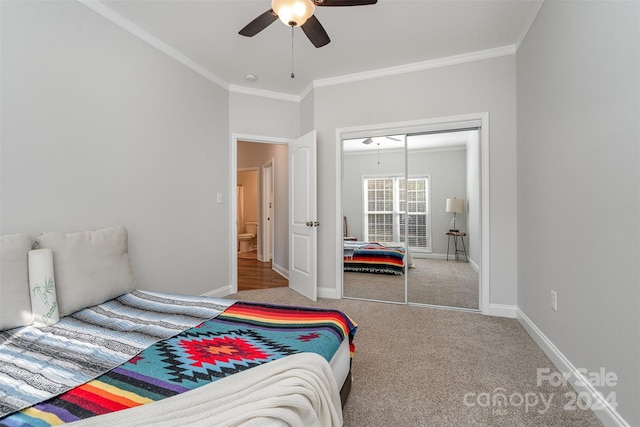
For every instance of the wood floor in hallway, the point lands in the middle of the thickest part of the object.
(254, 274)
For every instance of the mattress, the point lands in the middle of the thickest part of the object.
(340, 363)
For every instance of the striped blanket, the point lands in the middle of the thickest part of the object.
(245, 335)
(371, 257)
(39, 363)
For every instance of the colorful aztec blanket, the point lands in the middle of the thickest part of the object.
(371, 257)
(39, 363)
(243, 336)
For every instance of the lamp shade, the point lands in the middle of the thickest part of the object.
(455, 205)
(293, 13)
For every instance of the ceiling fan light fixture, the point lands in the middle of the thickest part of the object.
(293, 13)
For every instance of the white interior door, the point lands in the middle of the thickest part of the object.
(303, 221)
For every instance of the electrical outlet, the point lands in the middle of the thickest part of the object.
(554, 300)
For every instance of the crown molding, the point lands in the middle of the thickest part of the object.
(529, 23)
(108, 13)
(417, 66)
(264, 93)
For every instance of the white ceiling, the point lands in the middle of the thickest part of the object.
(364, 39)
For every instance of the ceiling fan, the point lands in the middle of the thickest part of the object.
(369, 140)
(299, 13)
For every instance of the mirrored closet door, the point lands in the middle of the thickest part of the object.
(373, 172)
(411, 209)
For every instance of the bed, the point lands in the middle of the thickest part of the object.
(141, 357)
(375, 257)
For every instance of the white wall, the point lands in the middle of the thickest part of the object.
(98, 129)
(482, 86)
(579, 187)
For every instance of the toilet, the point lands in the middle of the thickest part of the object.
(246, 240)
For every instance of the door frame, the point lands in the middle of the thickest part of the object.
(414, 126)
(265, 250)
(233, 202)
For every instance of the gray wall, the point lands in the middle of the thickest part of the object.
(99, 129)
(578, 187)
(255, 115)
(482, 86)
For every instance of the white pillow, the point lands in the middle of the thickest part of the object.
(15, 304)
(90, 267)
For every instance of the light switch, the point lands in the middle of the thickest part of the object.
(219, 197)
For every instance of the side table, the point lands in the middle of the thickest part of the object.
(460, 254)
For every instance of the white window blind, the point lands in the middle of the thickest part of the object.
(391, 207)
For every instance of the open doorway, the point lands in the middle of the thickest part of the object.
(261, 215)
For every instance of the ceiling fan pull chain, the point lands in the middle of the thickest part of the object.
(292, 75)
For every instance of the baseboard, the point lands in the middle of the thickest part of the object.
(329, 293)
(218, 293)
(474, 265)
(607, 415)
(280, 270)
(501, 310)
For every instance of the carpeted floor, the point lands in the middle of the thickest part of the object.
(431, 281)
(421, 366)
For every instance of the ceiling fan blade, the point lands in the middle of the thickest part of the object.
(315, 32)
(344, 2)
(259, 24)
(367, 141)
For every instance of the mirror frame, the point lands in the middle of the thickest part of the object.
(479, 120)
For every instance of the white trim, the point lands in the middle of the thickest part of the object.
(329, 293)
(219, 293)
(529, 23)
(263, 93)
(485, 232)
(280, 270)
(608, 415)
(417, 66)
(501, 310)
(266, 247)
(233, 202)
(416, 126)
(108, 13)
(307, 91)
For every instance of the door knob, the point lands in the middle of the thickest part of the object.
(309, 224)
